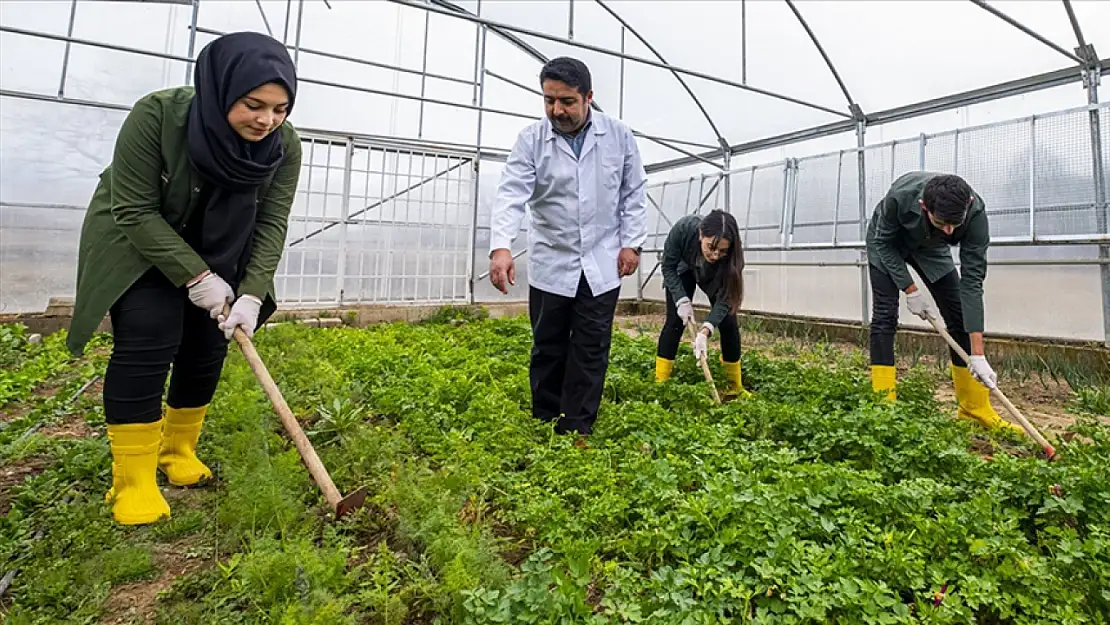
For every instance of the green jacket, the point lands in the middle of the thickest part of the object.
(682, 253)
(899, 230)
(144, 199)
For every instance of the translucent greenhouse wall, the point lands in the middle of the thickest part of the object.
(406, 111)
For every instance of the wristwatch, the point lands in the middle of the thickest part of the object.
(638, 250)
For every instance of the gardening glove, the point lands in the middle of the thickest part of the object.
(211, 293)
(685, 310)
(701, 346)
(981, 371)
(920, 306)
(244, 314)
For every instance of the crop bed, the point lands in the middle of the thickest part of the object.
(810, 503)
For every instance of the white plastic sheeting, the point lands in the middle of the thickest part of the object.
(366, 66)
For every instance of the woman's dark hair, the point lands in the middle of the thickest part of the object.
(721, 225)
(948, 197)
(570, 71)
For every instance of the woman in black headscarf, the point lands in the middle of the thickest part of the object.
(189, 217)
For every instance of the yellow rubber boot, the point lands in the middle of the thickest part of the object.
(134, 495)
(177, 455)
(883, 378)
(663, 368)
(974, 401)
(732, 372)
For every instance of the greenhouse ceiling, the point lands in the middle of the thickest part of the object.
(695, 79)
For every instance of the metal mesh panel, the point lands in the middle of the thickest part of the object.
(761, 223)
(713, 194)
(1104, 125)
(377, 225)
(877, 168)
(815, 201)
(995, 161)
(309, 267)
(905, 157)
(848, 211)
(1064, 188)
(940, 152)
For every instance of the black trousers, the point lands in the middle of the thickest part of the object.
(571, 337)
(154, 326)
(884, 313)
(673, 327)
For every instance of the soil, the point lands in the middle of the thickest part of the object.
(136, 602)
(15, 473)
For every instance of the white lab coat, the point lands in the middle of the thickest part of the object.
(583, 210)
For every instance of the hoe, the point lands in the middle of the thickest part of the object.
(339, 505)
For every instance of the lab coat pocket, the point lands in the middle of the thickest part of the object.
(612, 170)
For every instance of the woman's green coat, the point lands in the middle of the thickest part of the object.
(144, 199)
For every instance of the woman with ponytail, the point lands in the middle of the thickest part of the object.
(703, 251)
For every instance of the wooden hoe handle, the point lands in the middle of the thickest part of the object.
(704, 366)
(1049, 450)
(308, 453)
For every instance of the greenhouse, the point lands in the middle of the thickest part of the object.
(807, 500)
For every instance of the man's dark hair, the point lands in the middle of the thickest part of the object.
(947, 197)
(570, 71)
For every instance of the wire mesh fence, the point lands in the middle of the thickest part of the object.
(372, 224)
(802, 222)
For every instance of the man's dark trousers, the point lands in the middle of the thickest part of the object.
(571, 337)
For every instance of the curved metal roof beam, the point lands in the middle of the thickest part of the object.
(468, 16)
(1025, 29)
(857, 112)
(709, 118)
(1087, 51)
(542, 58)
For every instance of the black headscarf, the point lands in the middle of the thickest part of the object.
(232, 167)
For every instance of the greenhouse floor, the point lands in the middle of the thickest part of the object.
(810, 503)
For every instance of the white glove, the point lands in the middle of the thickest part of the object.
(685, 310)
(244, 314)
(981, 371)
(211, 293)
(701, 346)
(920, 306)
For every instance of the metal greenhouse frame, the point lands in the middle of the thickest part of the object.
(360, 188)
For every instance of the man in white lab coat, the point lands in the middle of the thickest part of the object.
(580, 172)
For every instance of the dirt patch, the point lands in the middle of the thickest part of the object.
(136, 602)
(15, 473)
(73, 427)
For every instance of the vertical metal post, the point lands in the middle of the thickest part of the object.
(288, 13)
(65, 57)
(297, 40)
(921, 151)
(956, 151)
(1093, 75)
(836, 205)
(864, 286)
(476, 182)
(344, 217)
(1033, 178)
(192, 40)
(743, 42)
(727, 180)
(620, 109)
(423, 73)
(791, 204)
(570, 20)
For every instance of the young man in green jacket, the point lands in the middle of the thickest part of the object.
(921, 215)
